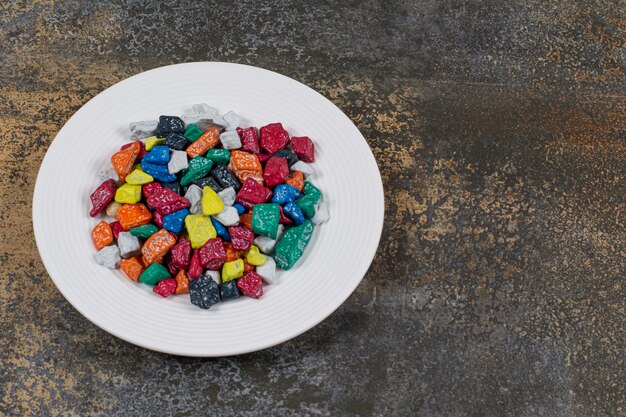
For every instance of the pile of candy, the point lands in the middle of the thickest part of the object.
(207, 208)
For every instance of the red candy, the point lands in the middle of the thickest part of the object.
(195, 267)
(274, 137)
(263, 157)
(150, 188)
(142, 148)
(166, 201)
(276, 171)
(170, 265)
(284, 219)
(250, 285)
(212, 255)
(158, 218)
(102, 196)
(304, 148)
(249, 139)
(181, 252)
(165, 287)
(252, 192)
(240, 237)
(116, 227)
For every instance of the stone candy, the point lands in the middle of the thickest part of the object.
(303, 167)
(321, 213)
(182, 283)
(198, 168)
(208, 140)
(265, 219)
(159, 155)
(167, 260)
(276, 171)
(228, 196)
(240, 209)
(102, 196)
(228, 216)
(116, 228)
(142, 148)
(229, 291)
(176, 141)
(283, 218)
(293, 211)
(152, 142)
(254, 257)
(158, 172)
(219, 156)
(220, 229)
(303, 147)
(249, 139)
(194, 196)
(178, 162)
(214, 275)
(291, 246)
(158, 219)
(102, 235)
(193, 132)
(296, 180)
(128, 244)
(133, 215)
(291, 157)
(112, 208)
(246, 220)
(174, 186)
(250, 285)
(143, 129)
(267, 271)
(108, 174)
(153, 274)
(244, 165)
(109, 257)
(195, 268)
(174, 221)
(232, 270)
(240, 237)
(132, 267)
(148, 189)
(123, 160)
(209, 182)
(266, 244)
(181, 252)
(128, 194)
(230, 140)
(144, 232)
(157, 246)
(166, 201)
(252, 193)
(165, 287)
(212, 254)
(205, 123)
(203, 108)
(200, 229)
(232, 254)
(273, 137)
(169, 124)
(224, 177)
(211, 202)
(138, 177)
(204, 292)
(285, 193)
(232, 120)
(310, 198)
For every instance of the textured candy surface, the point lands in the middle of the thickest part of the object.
(296, 180)
(180, 253)
(232, 270)
(194, 196)
(285, 193)
(208, 140)
(254, 257)
(158, 172)
(102, 196)
(265, 219)
(133, 215)
(116, 228)
(174, 221)
(212, 254)
(144, 231)
(123, 160)
(224, 177)
(176, 141)
(109, 257)
(211, 202)
(197, 168)
(276, 171)
(132, 267)
(310, 198)
(273, 137)
(159, 155)
(204, 292)
(245, 164)
(182, 283)
(219, 156)
(200, 229)
(303, 147)
(291, 246)
(293, 211)
(193, 132)
(128, 244)
(152, 142)
(249, 139)
(267, 271)
(250, 285)
(169, 124)
(157, 246)
(195, 268)
(291, 157)
(229, 291)
(240, 237)
(128, 194)
(165, 287)
(252, 193)
(153, 274)
(138, 177)
(102, 235)
(166, 201)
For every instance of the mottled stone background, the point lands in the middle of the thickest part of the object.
(500, 132)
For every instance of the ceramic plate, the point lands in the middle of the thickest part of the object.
(334, 263)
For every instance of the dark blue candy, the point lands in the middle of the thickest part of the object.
(209, 182)
(220, 229)
(240, 209)
(285, 193)
(174, 221)
(159, 155)
(293, 211)
(174, 186)
(169, 124)
(291, 157)
(229, 290)
(204, 292)
(158, 172)
(224, 177)
(177, 141)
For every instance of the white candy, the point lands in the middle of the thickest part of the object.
(204, 108)
(109, 256)
(194, 195)
(266, 244)
(228, 196)
(303, 167)
(215, 276)
(230, 140)
(108, 174)
(321, 213)
(128, 245)
(195, 118)
(142, 130)
(267, 271)
(228, 216)
(232, 120)
(178, 162)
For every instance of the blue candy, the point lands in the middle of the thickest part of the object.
(159, 155)
(159, 172)
(240, 209)
(285, 193)
(220, 229)
(293, 211)
(229, 290)
(174, 221)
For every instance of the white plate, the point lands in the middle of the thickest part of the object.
(335, 261)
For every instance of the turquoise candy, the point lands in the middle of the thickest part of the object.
(198, 167)
(219, 156)
(265, 219)
(144, 231)
(291, 246)
(154, 273)
(307, 202)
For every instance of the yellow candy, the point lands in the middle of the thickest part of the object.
(128, 194)
(200, 229)
(254, 257)
(211, 202)
(152, 142)
(138, 177)
(232, 270)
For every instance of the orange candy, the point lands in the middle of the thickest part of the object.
(123, 160)
(102, 235)
(133, 215)
(157, 246)
(231, 254)
(244, 165)
(296, 179)
(246, 220)
(208, 140)
(247, 267)
(182, 283)
(132, 267)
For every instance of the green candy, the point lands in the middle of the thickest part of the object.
(145, 231)
(198, 168)
(219, 156)
(291, 246)
(154, 273)
(307, 202)
(265, 219)
(193, 132)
